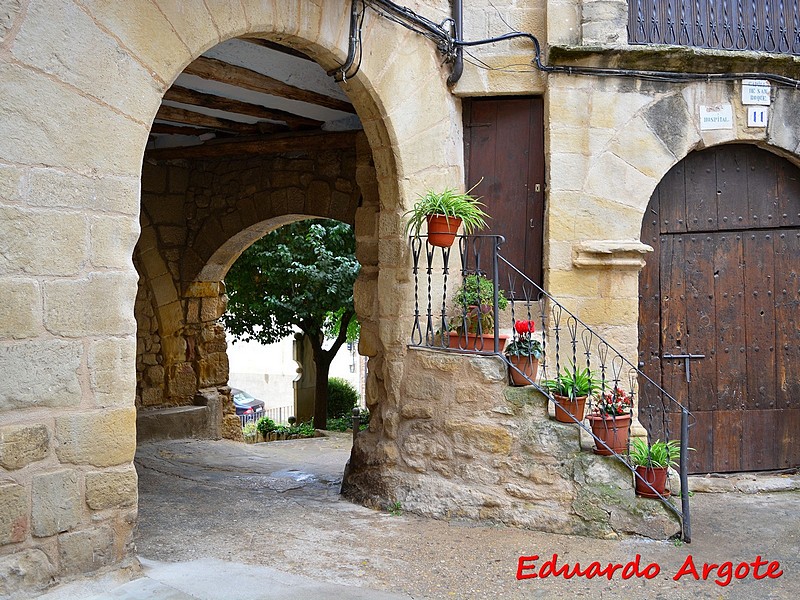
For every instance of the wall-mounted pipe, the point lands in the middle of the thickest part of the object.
(340, 73)
(458, 25)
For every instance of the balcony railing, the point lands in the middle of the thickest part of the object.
(756, 25)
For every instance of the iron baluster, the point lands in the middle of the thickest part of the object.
(416, 329)
(727, 28)
(429, 252)
(769, 38)
(443, 337)
(683, 38)
(713, 38)
(783, 30)
(755, 40)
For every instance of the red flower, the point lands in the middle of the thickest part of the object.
(523, 327)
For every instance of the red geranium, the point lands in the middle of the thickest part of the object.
(523, 327)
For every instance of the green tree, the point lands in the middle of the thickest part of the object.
(300, 275)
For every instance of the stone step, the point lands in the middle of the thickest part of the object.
(178, 422)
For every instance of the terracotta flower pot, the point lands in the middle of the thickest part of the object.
(655, 476)
(614, 431)
(526, 364)
(480, 343)
(442, 230)
(576, 407)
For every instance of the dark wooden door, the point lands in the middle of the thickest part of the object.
(504, 144)
(723, 282)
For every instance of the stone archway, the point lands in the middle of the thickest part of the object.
(195, 224)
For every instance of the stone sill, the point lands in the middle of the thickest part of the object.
(680, 59)
(614, 254)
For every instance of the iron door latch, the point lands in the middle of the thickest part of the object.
(686, 358)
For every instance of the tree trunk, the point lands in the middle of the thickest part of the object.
(322, 362)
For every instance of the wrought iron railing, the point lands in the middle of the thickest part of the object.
(445, 320)
(757, 25)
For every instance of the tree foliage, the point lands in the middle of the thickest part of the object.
(300, 275)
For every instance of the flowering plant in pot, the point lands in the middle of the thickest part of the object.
(651, 462)
(611, 420)
(570, 390)
(472, 327)
(524, 353)
(444, 213)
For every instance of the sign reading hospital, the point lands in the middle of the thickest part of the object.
(718, 116)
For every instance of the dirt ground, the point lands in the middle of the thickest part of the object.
(277, 505)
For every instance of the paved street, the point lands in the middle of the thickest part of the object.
(273, 510)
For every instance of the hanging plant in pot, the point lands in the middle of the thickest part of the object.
(472, 327)
(524, 353)
(444, 212)
(611, 421)
(570, 390)
(651, 462)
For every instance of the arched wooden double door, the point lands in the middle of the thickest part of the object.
(723, 283)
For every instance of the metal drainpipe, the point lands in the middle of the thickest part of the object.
(458, 64)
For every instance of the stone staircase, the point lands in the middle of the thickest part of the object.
(460, 443)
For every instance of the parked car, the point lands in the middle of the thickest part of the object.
(246, 404)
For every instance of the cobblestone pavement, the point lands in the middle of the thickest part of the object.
(277, 505)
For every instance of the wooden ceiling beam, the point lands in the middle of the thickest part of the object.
(165, 128)
(186, 96)
(273, 144)
(277, 47)
(197, 119)
(217, 70)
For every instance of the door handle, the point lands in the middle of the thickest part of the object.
(532, 224)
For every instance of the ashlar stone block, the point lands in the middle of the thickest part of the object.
(57, 504)
(56, 189)
(40, 373)
(44, 42)
(80, 135)
(25, 570)
(101, 438)
(20, 309)
(41, 242)
(111, 489)
(101, 304)
(111, 371)
(86, 551)
(145, 31)
(13, 514)
(10, 178)
(21, 445)
(112, 241)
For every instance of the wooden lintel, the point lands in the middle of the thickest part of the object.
(186, 96)
(277, 47)
(217, 70)
(273, 144)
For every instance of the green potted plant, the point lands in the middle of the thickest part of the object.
(570, 390)
(651, 462)
(524, 353)
(472, 327)
(611, 420)
(444, 213)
